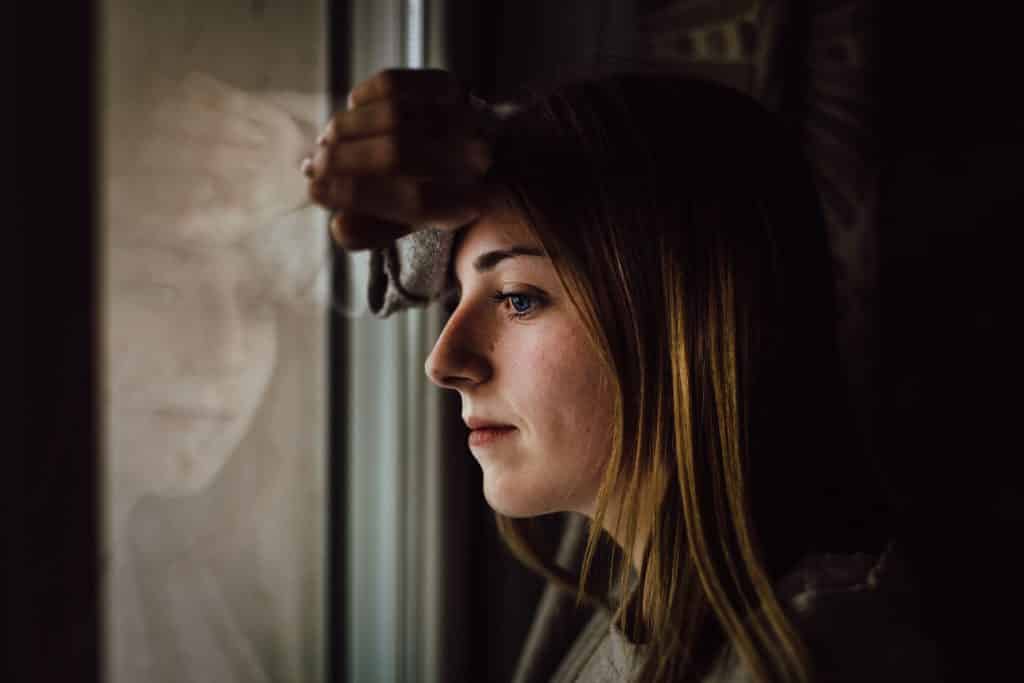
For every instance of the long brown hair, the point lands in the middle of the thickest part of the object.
(683, 223)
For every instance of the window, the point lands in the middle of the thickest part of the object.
(214, 284)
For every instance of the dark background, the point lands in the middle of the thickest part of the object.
(931, 114)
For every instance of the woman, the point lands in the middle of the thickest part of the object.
(643, 333)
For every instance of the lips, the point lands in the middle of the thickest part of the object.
(489, 435)
(484, 432)
(194, 413)
(481, 423)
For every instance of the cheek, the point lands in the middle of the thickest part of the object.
(568, 402)
(261, 358)
(137, 349)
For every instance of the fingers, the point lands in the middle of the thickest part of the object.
(402, 200)
(429, 117)
(403, 136)
(407, 152)
(409, 155)
(414, 83)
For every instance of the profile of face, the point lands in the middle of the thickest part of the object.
(192, 342)
(517, 352)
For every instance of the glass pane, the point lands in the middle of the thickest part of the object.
(214, 329)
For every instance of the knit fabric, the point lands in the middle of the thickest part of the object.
(409, 272)
(852, 610)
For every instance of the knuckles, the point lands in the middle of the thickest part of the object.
(386, 81)
(423, 82)
(391, 115)
(392, 154)
(333, 193)
(320, 192)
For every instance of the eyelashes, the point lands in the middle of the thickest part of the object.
(518, 305)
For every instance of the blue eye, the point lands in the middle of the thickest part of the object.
(522, 305)
(520, 302)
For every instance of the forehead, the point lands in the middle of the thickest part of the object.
(498, 228)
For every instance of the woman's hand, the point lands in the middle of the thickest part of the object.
(410, 150)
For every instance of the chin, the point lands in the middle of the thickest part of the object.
(513, 500)
(190, 468)
(192, 478)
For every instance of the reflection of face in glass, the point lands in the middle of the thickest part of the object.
(192, 344)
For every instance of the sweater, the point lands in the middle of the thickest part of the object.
(854, 611)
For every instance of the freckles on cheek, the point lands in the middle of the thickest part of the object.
(529, 382)
(560, 387)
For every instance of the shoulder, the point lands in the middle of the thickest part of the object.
(858, 617)
(856, 614)
(600, 654)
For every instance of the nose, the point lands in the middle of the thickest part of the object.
(457, 360)
(221, 344)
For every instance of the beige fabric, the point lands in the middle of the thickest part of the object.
(851, 609)
(409, 272)
(557, 619)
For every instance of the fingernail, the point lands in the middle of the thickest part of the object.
(307, 167)
(349, 104)
(322, 140)
(335, 228)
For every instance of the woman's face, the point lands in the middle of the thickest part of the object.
(192, 343)
(517, 352)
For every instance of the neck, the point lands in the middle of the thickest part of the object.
(608, 523)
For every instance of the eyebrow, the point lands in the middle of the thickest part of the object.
(487, 261)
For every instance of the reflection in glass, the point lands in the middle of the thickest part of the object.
(214, 343)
